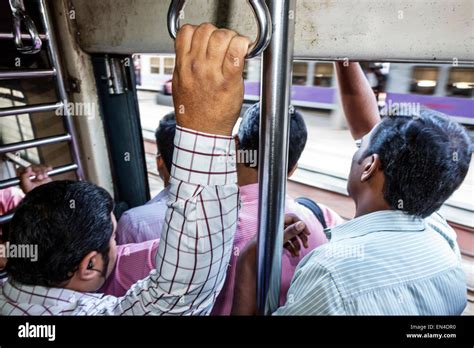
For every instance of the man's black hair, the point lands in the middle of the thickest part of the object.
(249, 134)
(165, 138)
(424, 159)
(66, 220)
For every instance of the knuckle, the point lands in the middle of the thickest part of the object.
(195, 66)
(239, 42)
(207, 27)
(230, 32)
(184, 32)
(186, 28)
(219, 35)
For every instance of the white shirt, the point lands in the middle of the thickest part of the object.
(195, 247)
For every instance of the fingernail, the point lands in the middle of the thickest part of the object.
(300, 226)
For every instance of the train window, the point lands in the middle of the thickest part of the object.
(323, 74)
(168, 65)
(424, 80)
(300, 72)
(461, 82)
(155, 65)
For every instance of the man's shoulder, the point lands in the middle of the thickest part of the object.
(150, 210)
(161, 197)
(438, 223)
(321, 259)
(141, 223)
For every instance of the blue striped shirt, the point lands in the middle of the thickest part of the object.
(383, 263)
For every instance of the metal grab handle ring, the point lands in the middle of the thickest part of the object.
(19, 15)
(260, 11)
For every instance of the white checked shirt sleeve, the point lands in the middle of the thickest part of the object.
(197, 237)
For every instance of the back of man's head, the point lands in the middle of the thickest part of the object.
(165, 138)
(65, 220)
(424, 160)
(249, 134)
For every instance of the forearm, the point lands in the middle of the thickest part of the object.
(200, 222)
(358, 100)
(245, 289)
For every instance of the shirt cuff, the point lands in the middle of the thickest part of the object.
(203, 159)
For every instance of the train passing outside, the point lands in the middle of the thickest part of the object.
(445, 88)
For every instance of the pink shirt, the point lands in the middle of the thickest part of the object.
(247, 228)
(135, 261)
(10, 198)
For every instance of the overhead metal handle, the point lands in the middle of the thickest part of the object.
(260, 11)
(19, 16)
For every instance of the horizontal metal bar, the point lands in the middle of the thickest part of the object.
(34, 143)
(384, 60)
(18, 110)
(26, 74)
(9, 36)
(6, 218)
(55, 171)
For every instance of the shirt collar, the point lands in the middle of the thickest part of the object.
(44, 296)
(379, 221)
(162, 195)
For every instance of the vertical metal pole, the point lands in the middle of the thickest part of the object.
(273, 152)
(56, 62)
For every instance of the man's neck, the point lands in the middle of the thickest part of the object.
(369, 203)
(246, 175)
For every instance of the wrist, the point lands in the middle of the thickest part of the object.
(196, 124)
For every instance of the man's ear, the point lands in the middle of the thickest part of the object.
(370, 166)
(85, 272)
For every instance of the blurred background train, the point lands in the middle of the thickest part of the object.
(447, 88)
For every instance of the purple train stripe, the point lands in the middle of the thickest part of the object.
(453, 106)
